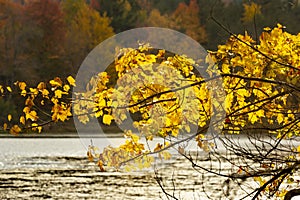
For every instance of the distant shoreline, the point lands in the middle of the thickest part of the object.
(62, 135)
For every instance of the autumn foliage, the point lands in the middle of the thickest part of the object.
(260, 80)
(184, 19)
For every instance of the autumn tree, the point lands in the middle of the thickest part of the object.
(251, 11)
(164, 7)
(124, 14)
(86, 28)
(187, 20)
(184, 19)
(156, 19)
(43, 36)
(10, 53)
(33, 37)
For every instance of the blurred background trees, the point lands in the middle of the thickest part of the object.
(85, 29)
(42, 39)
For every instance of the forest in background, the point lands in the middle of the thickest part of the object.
(42, 39)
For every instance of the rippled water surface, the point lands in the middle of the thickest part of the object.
(58, 169)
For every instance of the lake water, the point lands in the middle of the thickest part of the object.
(57, 168)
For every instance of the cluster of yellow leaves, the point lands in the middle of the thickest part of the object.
(96, 101)
(132, 144)
(260, 99)
(130, 155)
(260, 81)
(61, 109)
(163, 111)
(35, 98)
(142, 87)
(5, 89)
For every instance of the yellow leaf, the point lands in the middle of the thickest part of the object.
(257, 178)
(45, 92)
(34, 126)
(22, 85)
(83, 119)
(34, 91)
(244, 92)
(99, 113)
(58, 93)
(90, 156)
(226, 68)
(135, 138)
(40, 129)
(187, 128)
(4, 126)
(32, 115)
(107, 119)
(200, 137)
(29, 102)
(102, 103)
(56, 82)
(22, 120)
(41, 86)
(150, 58)
(100, 165)
(280, 118)
(279, 135)
(23, 93)
(71, 80)
(66, 88)
(26, 110)
(15, 130)
(175, 132)
(298, 149)
(252, 117)
(158, 147)
(260, 113)
(9, 117)
(149, 137)
(9, 89)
